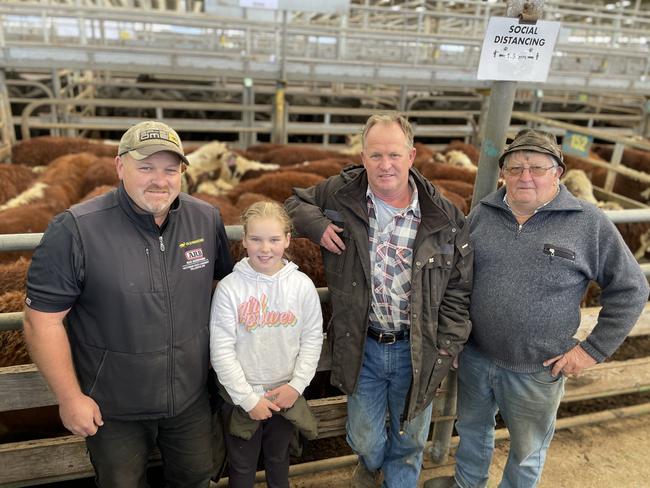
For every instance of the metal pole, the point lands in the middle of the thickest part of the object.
(617, 155)
(628, 216)
(327, 120)
(340, 45)
(283, 51)
(403, 97)
(535, 106)
(279, 130)
(444, 405)
(56, 88)
(247, 138)
(9, 134)
(645, 124)
(482, 117)
(496, 126)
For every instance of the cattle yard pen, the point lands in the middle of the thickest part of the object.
(93, 68)
(246, 117)
(64, 458)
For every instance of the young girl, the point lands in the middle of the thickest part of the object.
(265, 342)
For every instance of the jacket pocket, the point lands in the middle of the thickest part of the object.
(439, 370)
(138, 270)
(438, 267)
(191, 364)
(465, 264)
(99, 370)
(559, 266)
(346, 254)
(126, 384)
(89, 362)
(344, 340)
(561, 252)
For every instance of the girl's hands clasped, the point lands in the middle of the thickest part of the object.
(283, 396)
(263, 410)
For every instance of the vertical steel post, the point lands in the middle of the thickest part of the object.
(279, 133)
(283, 48)
(445, 405)
(8, 132)
(482, 116)
(341, 41)
(54, 111)
(617, 156)
(645, 123)
(496, 127)
(280, 116)
(403, 97)
(327, 120)
(247, 138)
(536, 102)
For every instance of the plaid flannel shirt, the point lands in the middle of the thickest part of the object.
(391, 256)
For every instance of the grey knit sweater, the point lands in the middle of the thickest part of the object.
(529, 281)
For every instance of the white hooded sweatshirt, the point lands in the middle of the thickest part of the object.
(264, 331)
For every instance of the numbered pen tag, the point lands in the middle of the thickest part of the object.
(576, 144)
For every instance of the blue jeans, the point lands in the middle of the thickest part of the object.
(383, 385)
(528, 404)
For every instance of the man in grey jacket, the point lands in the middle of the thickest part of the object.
(399, 269)
(536, 249)
(130, 274)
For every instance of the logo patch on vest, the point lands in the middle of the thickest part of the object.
(195, 259)
(185, 244)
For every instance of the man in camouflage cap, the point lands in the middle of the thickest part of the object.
(131, 273)
(149, 137)
(536, 249)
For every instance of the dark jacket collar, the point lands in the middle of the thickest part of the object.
(352, 195)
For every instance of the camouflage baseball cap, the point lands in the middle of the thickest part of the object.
(536, 141)
(149, 137)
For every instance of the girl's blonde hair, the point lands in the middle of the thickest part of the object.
(267, 210)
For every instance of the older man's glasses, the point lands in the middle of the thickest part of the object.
(534, 170)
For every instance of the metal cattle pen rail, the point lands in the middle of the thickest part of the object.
(63, 458)
(74, 109)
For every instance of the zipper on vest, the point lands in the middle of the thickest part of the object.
(146, 251)
(170, 368)
(519, 231)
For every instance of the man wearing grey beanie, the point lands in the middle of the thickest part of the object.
(536, 249)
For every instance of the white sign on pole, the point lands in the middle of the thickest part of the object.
(516, 51)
